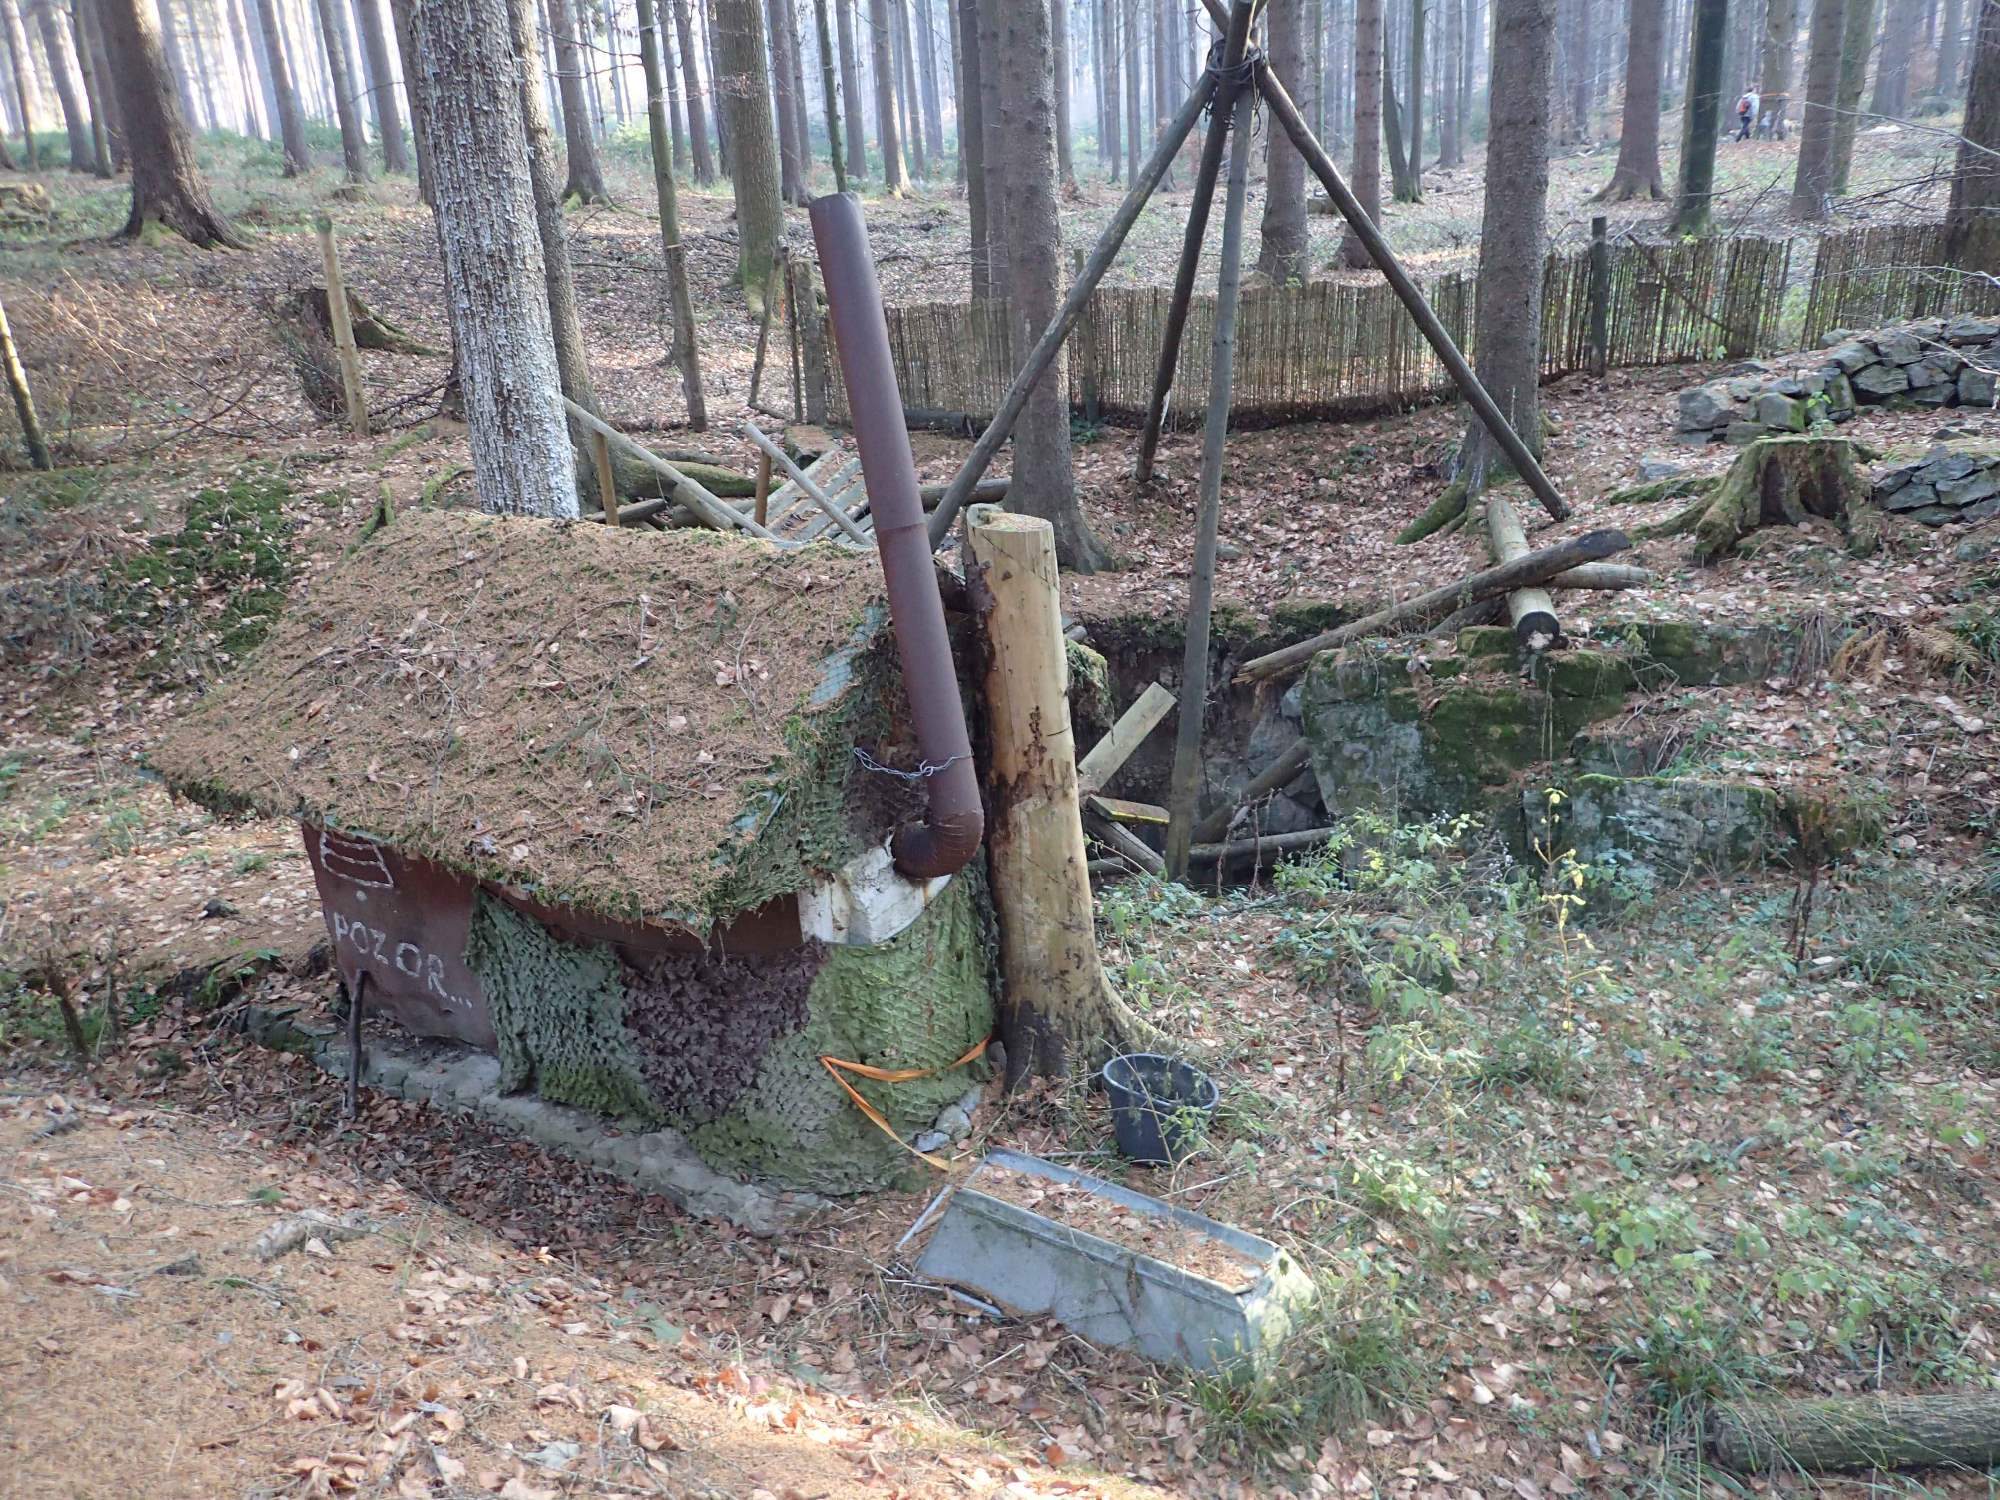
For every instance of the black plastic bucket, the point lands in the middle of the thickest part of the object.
(1160, 1106)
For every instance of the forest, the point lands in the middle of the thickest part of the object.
(783, 749)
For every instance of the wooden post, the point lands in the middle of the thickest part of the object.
(1237, 35)
(1035, 850)
(1086, 341)
(1600, 296)
(814, 366)
(1039, 358)
(1533, 609)
(24, 400)
(343, 329)
(1215, 437)
(607, 476)
(763, 512)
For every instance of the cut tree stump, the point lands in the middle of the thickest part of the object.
(1781, 481)
(1841, 1433)
(371, 329)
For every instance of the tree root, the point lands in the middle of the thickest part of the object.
(1446, 509)
(1679, 487)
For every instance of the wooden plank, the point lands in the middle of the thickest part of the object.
(682, 489)
(1111, 752)
(1118, 810)
(805, 482)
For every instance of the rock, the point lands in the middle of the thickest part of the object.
(1851, 356)
(1900, 346)
(1744, 388)
(1981, 511)
(1977, 387)
(1741, 433)
(954, 1122)
(1879, 381)
(1228, 552)
(1840, 395)
(217, 907)
(1969, 329)
(1657, 466)
(931, 1140)
(1837, 336)
(1706, 406)
(1976, 549)
(1699, 438)
(1780, 412)
(1910, 497)
(1679, 825)
(1937, 393)
(1791, 385)
(1969, 490)
(971, 1099)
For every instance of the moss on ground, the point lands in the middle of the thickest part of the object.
(235, 542)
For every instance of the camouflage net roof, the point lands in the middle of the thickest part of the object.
(651, 725)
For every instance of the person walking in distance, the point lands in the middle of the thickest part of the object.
(1746, 113)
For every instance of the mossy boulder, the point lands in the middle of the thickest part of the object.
(1687, 825)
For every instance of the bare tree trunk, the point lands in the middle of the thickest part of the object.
(802, 115)
(721, 121)
(96, 87)
(616, 59)
(685, 353)
(1637, 174)
(360, 66)
(1414, 161)
(1972, 228)
(55, 46)
(972, 149)
(850, 89)
(1282, 255)
(1582, 74)
(1950, 46)
(469, 84)
(107, 84)
(1044, 480)
(585, 182)
(1781, 40)
(1134, 132)
(167, 188)
(1813, 185)
(1702, 119)
(259, 118)
(1366, 179)
(177, 68)
(1507, 335)
(704, 163)
(791, 166)
(1892, 69)
(880, 49)
(17, 55)
(291, 124)
(406, 55)
(1857, 42)
(670, 65)
(912, 129)
(743, 95)
(957, 88)
(1451, 146)
(927, 72)
(1109, 112)
(829, 88)
(388, 109)
(993, 126)
(353, 144)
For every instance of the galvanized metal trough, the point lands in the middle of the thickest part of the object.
(1033, 1266)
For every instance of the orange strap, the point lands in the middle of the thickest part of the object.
(837, 1067)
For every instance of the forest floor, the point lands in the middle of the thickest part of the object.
(1602, 1169)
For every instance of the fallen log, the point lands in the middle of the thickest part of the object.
(371, 329)
(1535, 567)
(1295, 758)
(1603, 576)
(683, 488)
(1837, 1434)
(1276, 843)
(1532, 610)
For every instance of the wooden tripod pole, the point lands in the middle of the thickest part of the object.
(1236, 43)
(24, 401)
(1411, 295)
(1215, 436)
(1044, 353)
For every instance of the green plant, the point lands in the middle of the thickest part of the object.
(250, 862)
(1628, 1228)
(120, 833)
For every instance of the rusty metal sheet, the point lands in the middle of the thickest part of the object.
(405, 921)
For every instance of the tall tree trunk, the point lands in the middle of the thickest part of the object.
(802, 115)
(680, 302)
(670, 65)
(107, 83)
(721, 119)
(1856, 43)
(829, 88)
(616, 59)
(1111, 110)
(880, 47)
(1972, 228)
(1702, 121)
(927, 72)
(1507, 334)
(1637, 174)
(96, 87)
(1414, 162)
(585, 181)
(743, 95)
(1451, 147)
(1282, 252)
(1583, 75)
(82, 156)
(17, 56)
(1044, 481)
(1059, 40)
(1812, 187)
(353, 144)
(1366, 179)
(1392, 130)
(259, 120)
(910, 121)
(1892, 69)
(993, 126)
(1133, 75)
(1949, 45)
(704, 162)
(167, 188)
(850, 89)
(388, 108)
(360, 66)
(957, 89)
(177, 68)
(406, 55)
(1781, 40)
(972, 149)
(791, 168)
(291, 123)
(469, 86)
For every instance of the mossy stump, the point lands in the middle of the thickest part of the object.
(1782, 481)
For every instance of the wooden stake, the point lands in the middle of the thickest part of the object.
(1533, 610)
(1055, 984)
(1409, 293)
(607, 476)
(1215, 437)
(1600, 296)
(1237, 41)
(343, 329)
(24, 401)
(1043, 354)
(763, 510)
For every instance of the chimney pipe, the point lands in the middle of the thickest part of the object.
(953, 818)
